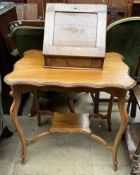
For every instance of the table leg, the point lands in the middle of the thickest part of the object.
(124, 121)
(13, 113)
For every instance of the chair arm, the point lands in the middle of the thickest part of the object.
(35, 23)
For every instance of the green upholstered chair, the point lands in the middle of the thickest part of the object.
(27, 36)
(123, 36)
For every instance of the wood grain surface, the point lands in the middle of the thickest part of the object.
(30, 70)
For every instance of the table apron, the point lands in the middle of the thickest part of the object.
(115, 91)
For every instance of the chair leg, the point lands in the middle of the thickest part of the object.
(71, 105)
(95, 99)
(128, 106)
(38, 119)
(129, 102)
(35, 104)
(133, 103)
(109, 111)
(96, 107)
(133, 109)
(35, 109)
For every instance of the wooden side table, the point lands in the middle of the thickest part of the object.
(29, 75)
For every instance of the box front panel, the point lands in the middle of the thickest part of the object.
(74, 62)
(75, 29)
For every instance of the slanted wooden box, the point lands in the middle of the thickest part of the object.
(74, 35)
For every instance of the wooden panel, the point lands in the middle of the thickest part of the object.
(51, 1)
(118, 4)
(70, 123)
(73, 62)
(40, 9)
(136, 9)
(119, 9)
(67, 21)
(27, 11)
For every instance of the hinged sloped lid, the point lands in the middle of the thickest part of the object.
(75, 30)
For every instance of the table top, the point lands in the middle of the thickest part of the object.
(30, 71)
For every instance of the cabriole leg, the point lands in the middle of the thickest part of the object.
(13, 113)
(124, 121)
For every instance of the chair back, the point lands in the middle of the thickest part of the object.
(123, 36)
(27, 36)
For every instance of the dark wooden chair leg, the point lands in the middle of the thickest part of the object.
(133, 109)
(35, 104)
(96, 109)
(109, 111)
(129, 102)
(35, 109)
(92, 96)
(96, 102)
(71, 105)
(132, 104)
